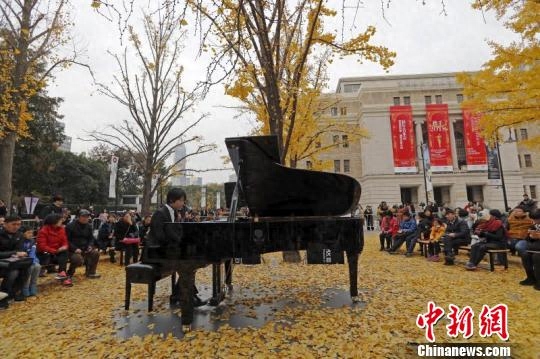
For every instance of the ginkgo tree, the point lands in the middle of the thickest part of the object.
(266, 51)
(507, 88)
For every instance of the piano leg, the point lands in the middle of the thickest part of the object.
(217, 285)
(228, 273)
(352, 259)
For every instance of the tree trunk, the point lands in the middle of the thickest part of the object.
(147, 193)
(7, 151)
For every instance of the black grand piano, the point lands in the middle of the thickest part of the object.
(289, 210)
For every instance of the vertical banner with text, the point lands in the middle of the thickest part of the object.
(475, 147)
(403, 143)
(440, 149)
(427, 167)
(112, 179)
(494, 170)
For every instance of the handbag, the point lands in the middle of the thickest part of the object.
(130, 240)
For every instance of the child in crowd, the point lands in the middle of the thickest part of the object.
(29, 245)
(438, 229)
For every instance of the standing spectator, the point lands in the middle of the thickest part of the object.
(457, 234)
(82, 247)
(11, 246)
(381, 210)
(519, 224)
(52, 246)
(389, 228)
(528, 204)
(407, 233)
(29, 245)
(368, 215)
(492, 237)
(124, 231)
(103, 217)
(3, 209)
(54, 207)
(106, 236)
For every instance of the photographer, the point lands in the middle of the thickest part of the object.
(530, 261)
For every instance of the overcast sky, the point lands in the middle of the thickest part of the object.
(425, 40)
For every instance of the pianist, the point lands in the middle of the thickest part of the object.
(158, 235)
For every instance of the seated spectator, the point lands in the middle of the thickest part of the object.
(492, 236)
(456, 234)
(530, 261)
(519, 224)
(126, 229)
(2, 221)
(11, 246)
(3, 209)
(424, 223)
(407, 233)
(144, 228)
(437, 231)
(52, 246)
(106, 236)
(389, 228)
(82, 247)
(29, 244)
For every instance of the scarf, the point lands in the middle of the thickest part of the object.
(492, 225)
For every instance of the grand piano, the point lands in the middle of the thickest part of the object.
(289, 210)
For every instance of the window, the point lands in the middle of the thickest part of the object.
(519, 161)
(428, 99)
(397, 101)
(407, 100)
(351, 88)
(528, 160)
(524, 189)
(346, 166)
(438, 98)
(343, 111)
(337, 165)
(533, 191)
(345, 140)
(333, 111)
(335, 139)
(524, 134)
(459, 98)
(309, 165)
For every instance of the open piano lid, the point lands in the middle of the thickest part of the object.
(271, 189)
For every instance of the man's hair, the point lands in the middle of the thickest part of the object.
(175, 194)
(12, 218)
(58, 197)
(51, 219)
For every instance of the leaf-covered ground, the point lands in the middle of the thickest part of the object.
(79, 322)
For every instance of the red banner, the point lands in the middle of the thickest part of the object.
(403, 142)
(440, 149)
(475, 147)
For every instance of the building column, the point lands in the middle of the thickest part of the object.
(453, 146)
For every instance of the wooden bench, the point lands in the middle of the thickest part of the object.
(145, 274)
(504, 255)
(424, 245)
(533, 252)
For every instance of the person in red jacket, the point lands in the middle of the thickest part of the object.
(52, 246)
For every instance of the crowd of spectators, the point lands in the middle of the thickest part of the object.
(62, 243)
(481, 229)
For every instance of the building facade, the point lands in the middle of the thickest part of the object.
(366, 101)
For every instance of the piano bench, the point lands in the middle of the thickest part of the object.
(142, 274)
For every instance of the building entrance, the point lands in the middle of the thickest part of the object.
(442, 195)
(409, 195)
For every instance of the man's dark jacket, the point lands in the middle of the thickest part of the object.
(79, 236)
(10, 244)
(160, 233)
(459, 228)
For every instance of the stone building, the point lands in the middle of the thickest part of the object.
(366, 101)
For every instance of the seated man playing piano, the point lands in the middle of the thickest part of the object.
(159, 235)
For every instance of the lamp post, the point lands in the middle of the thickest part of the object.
(425, 170)
(510, 140)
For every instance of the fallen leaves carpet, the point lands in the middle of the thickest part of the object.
(79, 322)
